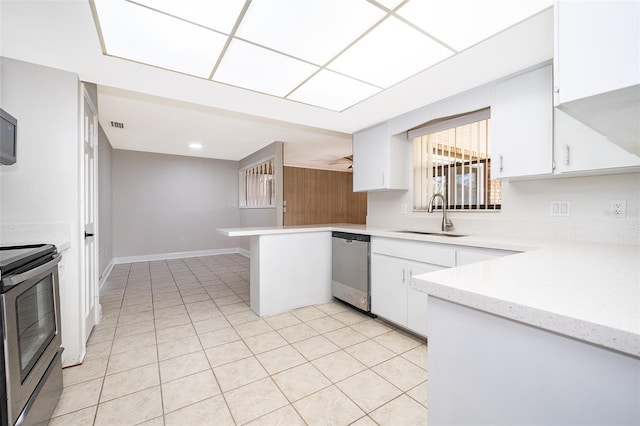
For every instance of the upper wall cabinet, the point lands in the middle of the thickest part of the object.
(580, 149)
(522, 126)
(380, 160)
(597, 67)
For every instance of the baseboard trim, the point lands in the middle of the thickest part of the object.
(105, 274)
(244, 252)
(178, 255)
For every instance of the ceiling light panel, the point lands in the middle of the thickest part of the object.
(313, 30)
(463, 23)
(253, 67)
(389, 4)
(217, 15)
(331, 90)
(391, 52)
(134, 32)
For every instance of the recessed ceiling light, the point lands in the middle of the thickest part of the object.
(195, 145)
(252, 67)
(344, 92)
(315, 31)
(390, 53)
(463, 23)
(137, 33)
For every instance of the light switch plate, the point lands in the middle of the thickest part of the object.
(561, 208)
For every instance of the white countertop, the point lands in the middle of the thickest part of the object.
(588, 291)
(484, 241)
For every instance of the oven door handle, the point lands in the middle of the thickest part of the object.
(31, 273)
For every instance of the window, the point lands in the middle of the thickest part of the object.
(257, 185)
(451, 157)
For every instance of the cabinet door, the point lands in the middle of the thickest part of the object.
(597, 47)
(380, 161)
(522, 126)
(370, 159)
(417, 300)
(389, 283)
(578, 148)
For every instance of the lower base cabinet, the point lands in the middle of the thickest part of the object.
(394, 262)
(391, 297)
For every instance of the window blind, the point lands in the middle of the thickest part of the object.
(257, 185)
(455, 162)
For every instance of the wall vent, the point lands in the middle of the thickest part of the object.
(117, 124)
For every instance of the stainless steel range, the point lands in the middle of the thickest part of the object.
(31, 381)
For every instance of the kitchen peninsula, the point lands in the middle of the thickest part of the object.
(553, 331)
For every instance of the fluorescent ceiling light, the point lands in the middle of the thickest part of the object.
(195, 145)
(313, 30)
(339, 52)
(262, 70)
(333, 91)
(463, 23)
(133, 32)
(391, 52)
(217, 15)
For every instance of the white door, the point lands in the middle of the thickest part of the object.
(89, 148)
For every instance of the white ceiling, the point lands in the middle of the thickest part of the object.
(163, 111)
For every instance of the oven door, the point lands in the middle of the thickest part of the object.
(31, 320)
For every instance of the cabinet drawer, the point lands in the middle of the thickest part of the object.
(435, 254)
(472, 255)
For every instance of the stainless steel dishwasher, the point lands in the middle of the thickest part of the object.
(350, 269)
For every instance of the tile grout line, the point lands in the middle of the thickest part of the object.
(185, 288)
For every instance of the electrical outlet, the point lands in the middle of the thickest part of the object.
(561, 208)
(619, 208)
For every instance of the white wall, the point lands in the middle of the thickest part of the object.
(526, 210)
(43, 186)
(171, 204)
(525, 204)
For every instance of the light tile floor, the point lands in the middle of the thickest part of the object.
(179, 345)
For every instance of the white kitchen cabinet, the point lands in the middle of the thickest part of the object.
(597, 47)
(391, 297)
(380, 160)
(578, 148)
(597, 67)
(389, 288)
(466, 255)
(393, 263)
(522, 126)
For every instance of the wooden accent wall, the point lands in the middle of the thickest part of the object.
(322, 196)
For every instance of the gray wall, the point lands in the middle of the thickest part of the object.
(270, 216)
(168, 203)
(105, 218)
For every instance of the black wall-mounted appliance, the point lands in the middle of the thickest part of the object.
(8, 138)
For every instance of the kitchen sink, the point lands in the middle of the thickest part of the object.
(436, 233)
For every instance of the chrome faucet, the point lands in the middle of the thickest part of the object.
(446, 222)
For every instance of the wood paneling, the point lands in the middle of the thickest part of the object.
(322, 196)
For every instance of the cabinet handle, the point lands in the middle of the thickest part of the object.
(501, 163)
(403, 275)
(567, 152)
(382, 178)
